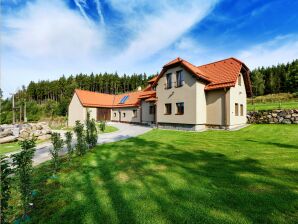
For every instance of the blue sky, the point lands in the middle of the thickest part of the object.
(46, 39)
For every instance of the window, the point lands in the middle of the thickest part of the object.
(169, 81)
(180, 78)
(239, 80)
(152, 109)
(236, 109)
(134, 113)
(115, 114)
(123, 99)
(180, 108)
(241, 109)
(123, 114)
(168, 108)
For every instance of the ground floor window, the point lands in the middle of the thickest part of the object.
(168, 108)
(152, 109)
(236, 109)
(115, 114)
(134, 113)
(180, 108)
(124, 114)
(241, 109)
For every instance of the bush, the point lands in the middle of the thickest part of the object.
(23, 167)
(81, 146)
(102, 126)
(6, 172)
(57, 146)
(91, 131)
(68, 141)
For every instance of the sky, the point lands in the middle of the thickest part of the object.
(45, 39)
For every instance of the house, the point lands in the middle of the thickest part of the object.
(183, 96)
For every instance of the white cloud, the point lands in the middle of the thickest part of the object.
(281, 49)
(51, 30)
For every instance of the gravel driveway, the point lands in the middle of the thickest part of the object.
(125, 131)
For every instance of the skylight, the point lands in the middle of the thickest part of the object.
(123, 99)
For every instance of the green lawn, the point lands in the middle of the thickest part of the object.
(246, 176)
(273, 105)
(13, 146)
(109, 129)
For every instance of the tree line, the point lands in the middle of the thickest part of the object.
(51, 98)
(282, 78)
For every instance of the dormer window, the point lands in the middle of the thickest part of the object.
(239, 80)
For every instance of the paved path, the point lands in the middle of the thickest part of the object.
(125, 131)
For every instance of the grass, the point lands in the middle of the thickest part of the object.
(14, 146)
(109, 129)
(245, 176)
(291, 104)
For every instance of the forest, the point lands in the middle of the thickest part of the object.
(51, 98)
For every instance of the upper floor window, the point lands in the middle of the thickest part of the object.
(180, 108)
(239, 80)
(180, 78)
(134, 113)
(236, 109)
(168, 108)
(169, 81)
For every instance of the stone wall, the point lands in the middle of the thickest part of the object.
(273, 117)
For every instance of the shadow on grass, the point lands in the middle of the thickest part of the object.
(140, 181)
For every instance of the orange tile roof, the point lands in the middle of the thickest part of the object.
(217, 75)
(153, 79)
(94, 99)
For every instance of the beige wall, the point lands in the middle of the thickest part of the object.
(215, 107)
(129, 117)
(191, 93)
(75, 111)
(93, 113)
(237, 94)
(146, 116)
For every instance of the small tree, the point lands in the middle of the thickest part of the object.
(6, 172)
(93, 133)
(57, 146)
(81, 146)
(88, 129)
(23, 166)
(102, 126)
(68, 141)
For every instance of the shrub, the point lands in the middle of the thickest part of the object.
(6, 172)
(57, 146)
(81, 146)
(23, 166)
(68, 141)
(102, 126)
(91, 131)
(88, 129)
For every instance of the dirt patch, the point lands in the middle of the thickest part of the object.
(122, 177)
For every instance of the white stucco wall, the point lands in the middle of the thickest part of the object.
(129, 117)
(186, 94)
(146, 116)
(215, 107)
(237, 94)
(76, 111)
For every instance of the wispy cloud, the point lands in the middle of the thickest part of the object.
(280, 49)
(99, 11)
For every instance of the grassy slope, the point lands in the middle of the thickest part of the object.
(273, 105)
(246, 176)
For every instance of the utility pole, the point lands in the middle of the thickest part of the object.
(13, 109)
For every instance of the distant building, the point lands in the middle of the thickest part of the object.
(183, 96)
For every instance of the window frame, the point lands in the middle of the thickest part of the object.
(241, 110)
(179, 83)
(169, 84)
(166, 109)
(236, 109)
(239, 79)
(123, 114)
(115, 114)
(177, 108)
(151, 109)
(134, 111)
